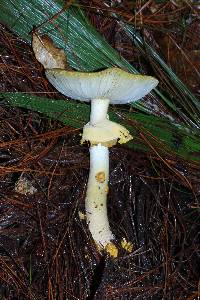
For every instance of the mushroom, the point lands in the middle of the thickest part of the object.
(110, 86)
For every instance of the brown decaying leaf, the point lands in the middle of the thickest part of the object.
(47, 53)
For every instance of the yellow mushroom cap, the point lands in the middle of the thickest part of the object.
(117, 85)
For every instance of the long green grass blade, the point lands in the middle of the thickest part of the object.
(87, 50)
(70, 30)
(181, 140)
(187, 105)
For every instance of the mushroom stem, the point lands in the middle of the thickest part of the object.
(96, 196)
(99, 109)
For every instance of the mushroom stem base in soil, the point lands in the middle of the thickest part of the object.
(96, 197)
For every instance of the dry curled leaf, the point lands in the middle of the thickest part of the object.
(47, 53)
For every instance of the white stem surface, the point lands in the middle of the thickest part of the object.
(96, 196)
(99, 109)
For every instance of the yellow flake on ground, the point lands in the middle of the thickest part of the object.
(128, 246)
(111, 249)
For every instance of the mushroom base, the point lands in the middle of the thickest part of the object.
(96, 197)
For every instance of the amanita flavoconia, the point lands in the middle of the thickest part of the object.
(111, 86)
